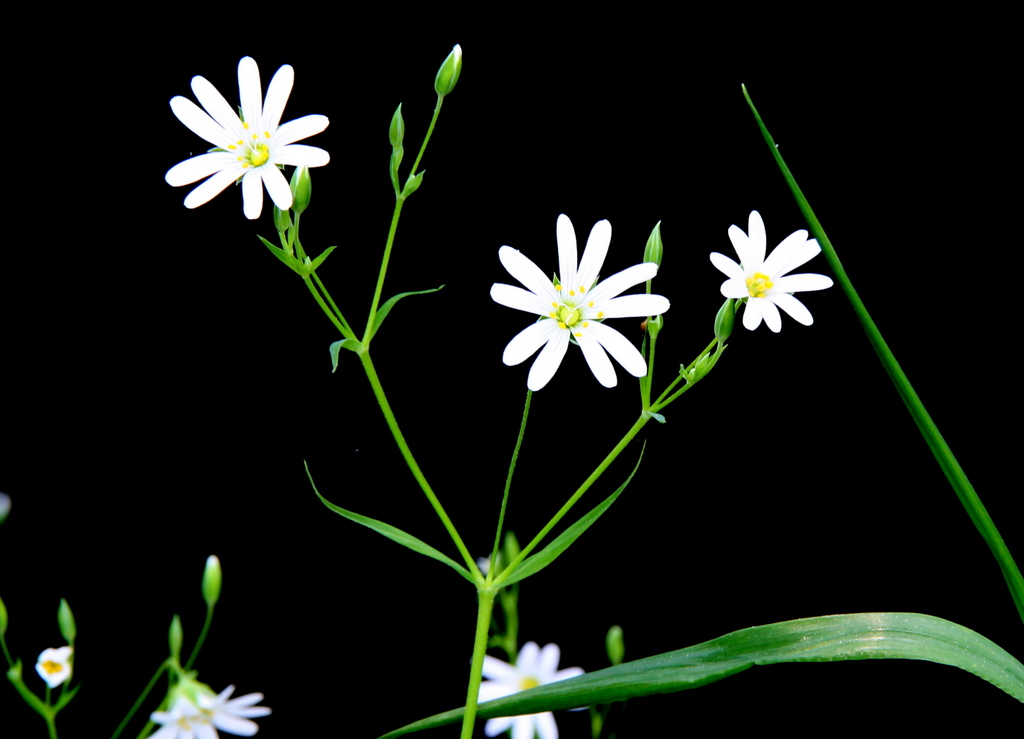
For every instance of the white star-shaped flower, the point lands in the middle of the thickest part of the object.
(251, 146)
(54, 665)
(190, 720)
(576, 304)
(765, 283)
(533, 667)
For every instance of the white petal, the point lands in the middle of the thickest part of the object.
(523, 728)
(495, 726)
(548, 663)
(493, 689)
(727, 266)
(620, 281)
(495, 669)
(235, 725)
(566, 237)
(598, 362)
(300, 154)
(736, 288)
(797, 310)
(783, 253)
(201, 124)
(808, 251)
(593, 255)
(771, 314)
(251, 92)
(252, 194)
(800, 283)
(545, 725)
(277, 186)
(212, 187)
(526, 662)
(752, 313)
(277, 97)
(196, 168)
(215, 104)
(526, 272)
(301, 128)
(757, 242)
(520, 299)
(619, 347)
(567, 673)
(529, 340)
(204, 731)
(633, 306)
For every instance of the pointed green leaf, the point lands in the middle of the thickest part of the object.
(656, 416)
(413, 184)
(383, 311)
(395, 534)
(552, 551)
(350, 344)
(320, 259)
(281, 254)
(822, 639)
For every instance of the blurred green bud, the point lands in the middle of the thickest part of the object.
(449, 72)
(511, 548)
(14, 674)
(725, 319)
(175, 637)
(397, 131)
(302, 188)
(654, 250)
(3, 618)
(282, 219)
(212, 579)
(614, 644)
(66, 621)
(654, 325)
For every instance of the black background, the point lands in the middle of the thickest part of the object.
(166, 377)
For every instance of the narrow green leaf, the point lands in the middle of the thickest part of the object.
(320, 259)
(383, 311)
(821, 639)
(656, 416)
(281, 254)
(350, 344)
(393, 533)
(534, 564)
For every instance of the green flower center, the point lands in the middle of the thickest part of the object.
(759, 284)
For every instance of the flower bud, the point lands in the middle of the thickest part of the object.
(654, 325)
(397, 131)
(724, 320)
(615, 646)
(654, 250)
(449, 72)
(66, 621)
(175, 637)
(212, 579)
(301, 189)
(3, 618)
(282, 220)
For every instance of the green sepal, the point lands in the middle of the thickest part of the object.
(396, 131)
(309, 268)
(292, 263)
(413, 184)
(656, 416)
(383, 311)
(821, 639)
(66, 622)
(352, 345)
(395, 534)
(654, 250)
(396, 161)
(537, 562)
(175, 636)
(65, 697)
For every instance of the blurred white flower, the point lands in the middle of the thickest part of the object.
(250, 147)
(764, 284)
(575, 304)
(533, 667)
(189, 720)
(54, 665)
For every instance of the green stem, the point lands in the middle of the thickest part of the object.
(7, 654)
(139, 701)
(485, 603)
(339, 324)
(943, 454)
(389, 416)
(51, 724)
(323, 289)
(202, 638)
(399, 201)
(633, 431)
(430, 131)
(508, 483)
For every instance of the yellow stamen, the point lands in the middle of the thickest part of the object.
(590, 304)
(759, 284)
(51, 667)
(245, 125)
(601, 314)
(561, 325)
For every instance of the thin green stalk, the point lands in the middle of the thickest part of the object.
(7, 654)
(139, 701)
(485, 603)
(598, 471)
(403, 447)
(430, 131)
(342, 327)
(508, 481)
(51, 724)
(943, 454)
(658, 404)
(337, 311)
(201, 639)
(399, 201)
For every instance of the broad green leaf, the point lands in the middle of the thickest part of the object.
(351, 344)
(821, 639)
(537, 562)
(284, 256)
(383, 311)
(395, 534)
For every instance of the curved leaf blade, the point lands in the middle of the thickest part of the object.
(383, 311)
(393, 533)
(821, 639)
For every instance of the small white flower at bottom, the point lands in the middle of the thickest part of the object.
(54, 665)
(186, 720)
(765, 284)
(533, 667)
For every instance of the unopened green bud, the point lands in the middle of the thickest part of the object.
(449, 72)
(397, 131)
(175, 637)
(282, 219)
(615, 645)
(301, 189)
(212, 579)
(725, 319)
(511, 548)
(14, 674)
(66, 621)
(654, 325)
(3, 618)
(654, 250)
